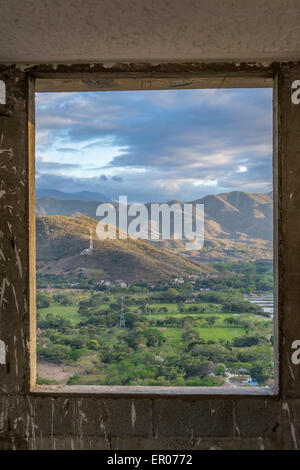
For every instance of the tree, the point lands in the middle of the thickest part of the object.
(247, 341)
(132, 319)
(260, 371)
(211, 320)
(170, 295)
(63, 299)
(42, 300)
(190, 335)
(181, 307)
(212, 352)
(57, 353)
(153, 337)
(134, 338)
(93, 344)
(199, 368)
(230, 321)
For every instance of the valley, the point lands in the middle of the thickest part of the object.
(189, 316)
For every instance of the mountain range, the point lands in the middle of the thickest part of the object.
(78, 196)
(238, 225)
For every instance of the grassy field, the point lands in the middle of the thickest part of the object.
(215, 333)
(173, 335)
(108, 354)
(67, 312)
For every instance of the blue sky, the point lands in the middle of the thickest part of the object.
(155, 145)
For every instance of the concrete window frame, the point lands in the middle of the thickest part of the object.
(34, 417)
(70, 82)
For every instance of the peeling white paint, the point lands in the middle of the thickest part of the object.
(5, 283)
(262, 447)
(52, 417)
(31, 425)
(286, 408)
(15, 297)
(23, 67)
(81, 418)
(8, 150)
(2, 352)
(133, 414)
(16, 357)
(103, 424)
(290, 367)
(108, 65)
(2, 92)
(19, 264)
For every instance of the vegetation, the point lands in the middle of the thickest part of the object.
(186, 322)
(61, 239)
(175, 334)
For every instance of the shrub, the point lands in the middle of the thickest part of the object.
(57, 353)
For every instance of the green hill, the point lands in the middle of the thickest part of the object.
(61, 239)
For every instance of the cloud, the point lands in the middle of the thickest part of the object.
(242, 169)
(117, 178)
(158, 144)
(67, 149)
(42, 164)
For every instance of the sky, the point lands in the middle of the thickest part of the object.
(155, 146)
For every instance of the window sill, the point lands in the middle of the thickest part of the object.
(148, 392)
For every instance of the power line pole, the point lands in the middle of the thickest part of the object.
(122, 317)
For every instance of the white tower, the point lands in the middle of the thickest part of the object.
(89, 251)
(91, 239)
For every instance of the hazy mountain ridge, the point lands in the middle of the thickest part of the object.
(50, 205)
(227, 215)
(239, 212)
(77, 196)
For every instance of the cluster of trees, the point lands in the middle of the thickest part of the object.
(43, 299)
(141, 354)
(137, 354)
(231, 302)
(243, 276)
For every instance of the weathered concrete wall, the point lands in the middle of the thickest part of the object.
(30, 420)
(152, 31)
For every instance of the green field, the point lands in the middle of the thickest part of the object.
(173, 335)
(67, 312)
(163, 343)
